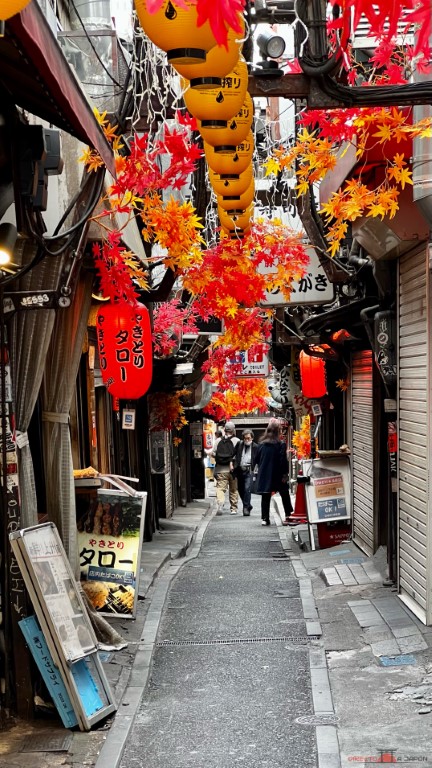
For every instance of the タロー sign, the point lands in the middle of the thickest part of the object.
(110, 533)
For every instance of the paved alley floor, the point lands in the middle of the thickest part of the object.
(230, 673)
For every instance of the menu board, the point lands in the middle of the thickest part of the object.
(328, 492)
(54, 581)
(110, 532)
(71, 646)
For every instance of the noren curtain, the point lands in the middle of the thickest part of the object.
(57, 391)
(29, 337)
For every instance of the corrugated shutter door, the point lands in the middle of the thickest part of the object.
(363, 451)
(413, 430)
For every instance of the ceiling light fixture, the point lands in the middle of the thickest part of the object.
(8, 238)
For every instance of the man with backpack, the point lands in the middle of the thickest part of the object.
(223, 453)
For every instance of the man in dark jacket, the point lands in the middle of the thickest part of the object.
(244, 464)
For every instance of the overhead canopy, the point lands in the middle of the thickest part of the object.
(36, 74)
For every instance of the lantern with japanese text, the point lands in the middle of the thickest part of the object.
(9, 8)
(216, 106)
(312, 373)
(219, 63)
(232, 163)
(174, 29)
(226, 140)
(125, 349)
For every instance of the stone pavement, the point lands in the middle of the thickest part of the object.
(370, 659)
(378, 657)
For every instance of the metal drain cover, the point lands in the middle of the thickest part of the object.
(57, 742)
(329, 719)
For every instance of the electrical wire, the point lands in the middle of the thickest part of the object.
(92, 46)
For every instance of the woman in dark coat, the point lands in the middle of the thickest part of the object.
(272, 463)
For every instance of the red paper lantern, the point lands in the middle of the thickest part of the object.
(125, 349)
(313, 380)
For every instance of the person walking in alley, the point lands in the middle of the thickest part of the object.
(272, 463)
(224, 454)
(245, 458)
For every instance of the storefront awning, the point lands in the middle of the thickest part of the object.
(36, 74)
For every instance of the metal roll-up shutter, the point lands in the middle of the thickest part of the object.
(413, 431)
(363, 451)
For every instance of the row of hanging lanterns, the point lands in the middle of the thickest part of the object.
(215, 82)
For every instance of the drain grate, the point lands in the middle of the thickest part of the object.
(301, 640)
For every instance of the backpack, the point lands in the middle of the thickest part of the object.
(225, 451)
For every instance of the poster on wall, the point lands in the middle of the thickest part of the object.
(110, 533)
(328, 493)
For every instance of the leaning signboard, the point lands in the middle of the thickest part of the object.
(64, 622)
(328, 492)
(110, 534)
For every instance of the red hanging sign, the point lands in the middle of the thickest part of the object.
(125, 349)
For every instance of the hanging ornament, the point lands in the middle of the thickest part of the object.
(216, 106)
(235, 220)
(223, 186)
(225, 140)
(9, 8)
(237, 202)
(233, 163)
(174, 29)
(125, 349)
(220, 62)
(313, 379)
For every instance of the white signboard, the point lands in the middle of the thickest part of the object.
(328, 493)
(254, 364)
(313, 288)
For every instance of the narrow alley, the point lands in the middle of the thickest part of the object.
(230, 674)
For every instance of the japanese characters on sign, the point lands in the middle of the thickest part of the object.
(254, 364)
(125, 352)
(313, 288)
(328, 492)
(385, 345)
(110, 530)
(52, 577)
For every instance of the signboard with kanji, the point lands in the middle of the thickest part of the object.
(328, 492)
(110, 532)
(66, 646)
(313, 288)
(254, 364)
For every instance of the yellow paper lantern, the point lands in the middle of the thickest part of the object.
(226, 187)
(9, 8)
(233, 221)
(233, 163)
(237, 202)
(226, 140)
(220, 61)
(215, 106)
(175, 30)
(234, 234)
